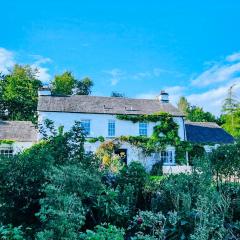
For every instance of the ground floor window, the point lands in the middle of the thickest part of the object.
(6, 151)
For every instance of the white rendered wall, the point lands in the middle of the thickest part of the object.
(99, 123)
(99, 127)
(18, 146)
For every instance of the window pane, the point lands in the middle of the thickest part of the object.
(143, 129)
(86, 126)
(6, 151)
(111, 128)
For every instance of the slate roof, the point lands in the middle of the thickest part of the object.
(207, 132)
(20, 131)
(104, 105)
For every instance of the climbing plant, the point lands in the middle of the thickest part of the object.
(6, 141)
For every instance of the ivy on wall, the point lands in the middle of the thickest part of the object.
(165, 133)
(6, 141)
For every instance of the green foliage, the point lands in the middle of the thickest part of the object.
(6, 141)
(11, 233)
(196, 114)
(93, 140)
(157, 169)
(84, 86)
(109, 232)
(164, 133)
(225, 162)
(63, 84)
(21, 178)
(183, 105)
(61, 192)
(117, 94)
(19, 93)
(67, 84)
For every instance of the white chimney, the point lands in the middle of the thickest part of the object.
(163, 97)
(44, 91)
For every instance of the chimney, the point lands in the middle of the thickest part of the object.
(44, 91)
(163, 97)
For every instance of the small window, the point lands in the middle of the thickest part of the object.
(166, 157)
(85, 124)
(143, 129)
(111, 128)
(6, 151)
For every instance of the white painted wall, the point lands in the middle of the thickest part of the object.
(99, 123)
(17, 146)
(99, 127)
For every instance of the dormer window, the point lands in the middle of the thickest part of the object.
(85, 124)
(143, 129)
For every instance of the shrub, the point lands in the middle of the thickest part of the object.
(157, 169)
(11, 233)
(108, 232)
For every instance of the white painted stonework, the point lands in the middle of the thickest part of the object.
(99, 127)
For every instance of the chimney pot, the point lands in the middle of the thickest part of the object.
(44, 91)
(163, 97)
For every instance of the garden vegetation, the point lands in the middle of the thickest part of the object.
(55, 190)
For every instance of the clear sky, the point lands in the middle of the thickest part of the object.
(186, 47)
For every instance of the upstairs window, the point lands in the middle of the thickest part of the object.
(6, 151)
(85, 124)
(111, 128)
(143, 129)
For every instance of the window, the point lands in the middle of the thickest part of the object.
(85, 124)
(6, 151)
(167, 157)
(111, 128)
(143, 129)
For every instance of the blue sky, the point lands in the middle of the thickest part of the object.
(189, 48)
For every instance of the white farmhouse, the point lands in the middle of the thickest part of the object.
(98, 117)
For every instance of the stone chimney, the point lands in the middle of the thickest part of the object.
(163, 97)
(44, 91)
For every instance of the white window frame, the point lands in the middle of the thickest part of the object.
(83, 122)
(111, 128)
(167, 157)
(143, 129)
(6, 151)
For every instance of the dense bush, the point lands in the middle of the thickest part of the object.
(55, 190)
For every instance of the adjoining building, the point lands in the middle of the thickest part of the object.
(15, 136)
(209, 134)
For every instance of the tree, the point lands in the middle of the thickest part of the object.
(63, 84)
(19, 93)
(84, 86)
(117, 94)
(196, 114)
(231, 116)
(67, 84)
(183, 105)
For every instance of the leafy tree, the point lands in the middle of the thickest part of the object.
(196, 114)
(117, 94)
(63, 84)
(183, 105)
(19, 93)
(67, 84)
(84, 86)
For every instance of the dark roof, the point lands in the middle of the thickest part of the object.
(104, 105)
(207, 132)
(21, 131)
